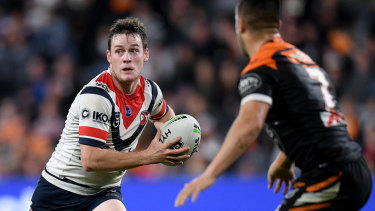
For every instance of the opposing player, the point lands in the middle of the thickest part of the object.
(283, 88)
(102, 129)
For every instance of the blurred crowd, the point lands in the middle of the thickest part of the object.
(50, 48)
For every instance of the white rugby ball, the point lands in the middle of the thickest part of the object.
(185, 126)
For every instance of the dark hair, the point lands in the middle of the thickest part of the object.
(260, 14)
(129, 25)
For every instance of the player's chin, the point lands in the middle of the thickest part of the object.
(128, 77)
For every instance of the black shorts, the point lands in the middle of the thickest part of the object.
(339, 187)
(49, 197)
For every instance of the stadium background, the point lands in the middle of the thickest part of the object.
(50, 48)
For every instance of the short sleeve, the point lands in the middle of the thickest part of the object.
(160, 108)
(256, 86)
(95, 113)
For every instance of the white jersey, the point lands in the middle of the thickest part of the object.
(102, 116)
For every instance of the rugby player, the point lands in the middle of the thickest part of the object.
(285, 92)
(102, 129)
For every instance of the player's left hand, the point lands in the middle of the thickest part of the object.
(282, 174)
(193, 189)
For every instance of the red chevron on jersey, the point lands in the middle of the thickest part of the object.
(129, 105)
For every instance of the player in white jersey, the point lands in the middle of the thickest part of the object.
(102, 129)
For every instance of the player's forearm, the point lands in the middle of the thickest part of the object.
(109, 160)
(244, 130)
(237, 141)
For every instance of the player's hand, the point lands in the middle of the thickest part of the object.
(282, 175)
(193, 189)
(162, 152)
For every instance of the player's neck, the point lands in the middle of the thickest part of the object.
(129, 88)
(126, 87)
(256, 41)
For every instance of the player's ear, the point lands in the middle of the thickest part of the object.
(108, 56)
(241, 25)
(146, 55)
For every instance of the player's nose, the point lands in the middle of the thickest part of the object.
(126, 57)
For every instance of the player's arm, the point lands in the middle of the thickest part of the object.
(244, 130)
(97, 159)
(170, 114)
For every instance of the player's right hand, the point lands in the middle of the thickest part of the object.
(162, 152)
(193, 189)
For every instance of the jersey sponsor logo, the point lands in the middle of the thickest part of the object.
(85, 113)
(144, 117)
(100, 117)
(116, 122)
(249, 83)
(128, 111)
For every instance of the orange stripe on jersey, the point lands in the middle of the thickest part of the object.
(93, 132)
(162, 111)
(311, 207)
(324, 184)
(296, 56)
(264, 56)
(299, 185)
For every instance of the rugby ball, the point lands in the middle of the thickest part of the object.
(185, 126)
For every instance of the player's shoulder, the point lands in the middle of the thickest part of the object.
(99, 87)
(102, 81)
(151, 86)
(273, 52)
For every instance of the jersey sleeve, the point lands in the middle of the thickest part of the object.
(160, 108)
(94, 122)
(256, 85)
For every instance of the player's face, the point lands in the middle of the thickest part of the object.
(126, 57)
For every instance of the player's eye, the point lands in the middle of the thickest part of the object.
(134, 50)
(119, 51)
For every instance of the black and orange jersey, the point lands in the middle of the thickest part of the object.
(305, 119)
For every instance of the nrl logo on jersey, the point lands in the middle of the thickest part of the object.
(249, 83)
(144, 117)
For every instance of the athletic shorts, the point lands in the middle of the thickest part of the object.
(340, 187)
(49, 197)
